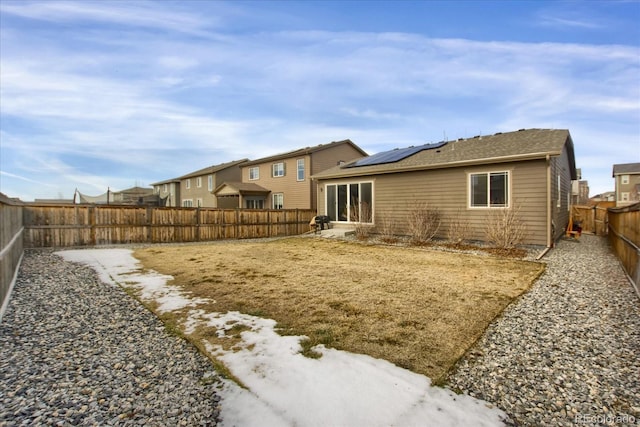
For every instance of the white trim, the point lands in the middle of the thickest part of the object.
(509, 173)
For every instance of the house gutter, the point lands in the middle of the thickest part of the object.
(549, 223)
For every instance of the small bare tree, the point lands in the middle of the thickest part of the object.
(423, 222)
(362, 216)
(459, 229)
(505, 229)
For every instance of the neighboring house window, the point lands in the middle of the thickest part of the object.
(254, 203)
(624, 179)
(188, 185)
(489, 190)
(300, 169)
(199, 202)
(278, 201)
(350, 202)
(187, 203)
(199, 182)
(559, 202)
(624, 197)
(278, 169)
(254, 173)
(165, 188)
(210, 182)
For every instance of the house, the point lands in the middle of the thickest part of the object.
(627, 183)
(195, 189)
(139, 196)
(283, 181)
(530, 171)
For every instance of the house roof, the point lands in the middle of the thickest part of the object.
(304, 151)
(626, 168)
(213, 169)
(241, 188)
(525, 144)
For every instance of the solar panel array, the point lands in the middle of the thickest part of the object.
(394, 155)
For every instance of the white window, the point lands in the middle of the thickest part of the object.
(351, 202)
(489, 190)
(559, 202)
(210, 182)
(624, 179)
(188, 184)
(254, 203)
(199, 182)
(300, 169)
(278, 169)
(278, 201)
(254, 173)
(199, 202)
(165, 188)
(624, 197)
(187, 203)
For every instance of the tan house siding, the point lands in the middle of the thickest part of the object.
(448, 191)
(297, 194)
(169, 191)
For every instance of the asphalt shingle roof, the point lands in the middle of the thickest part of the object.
(626, 168)
(500, 147)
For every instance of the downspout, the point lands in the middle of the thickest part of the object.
(549, 222)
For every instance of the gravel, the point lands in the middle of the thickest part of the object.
(74, 351)
(568, 351)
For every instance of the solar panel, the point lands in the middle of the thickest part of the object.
(395, 155)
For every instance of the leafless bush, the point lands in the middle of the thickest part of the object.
(459, 229)
(505, 229)
(423, 222)
(361, 217)
(386, 229)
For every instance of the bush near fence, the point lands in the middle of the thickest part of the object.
(88, 225)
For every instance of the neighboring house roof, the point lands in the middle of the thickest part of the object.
(213, 169)
(626, 169)
(244, 188)
(525, 144)
(304, 152)
(204, 171)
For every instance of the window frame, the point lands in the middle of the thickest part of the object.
(348, 199)
(188, 183)
(624, 179)
(507, 191)
(274, 203)
(255, 169)
(199, 182)
(187, 203)
(210, 183)
(280, 170)
(300, 168)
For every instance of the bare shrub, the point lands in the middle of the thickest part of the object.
(459, 229)
(505, 229)
(423, 222)
(361, 217)
(386, 229)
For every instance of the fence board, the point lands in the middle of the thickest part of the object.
(84, 225)
(624, 237)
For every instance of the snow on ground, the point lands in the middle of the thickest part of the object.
(288, 389)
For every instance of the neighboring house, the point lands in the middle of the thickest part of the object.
(608, 196)
(168, 191)
(283, 181)
(627, 181)
(195, 189)
(467, 180)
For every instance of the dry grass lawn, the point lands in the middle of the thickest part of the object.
(420, 309)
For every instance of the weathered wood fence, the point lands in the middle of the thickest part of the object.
(11, 246)
(89, 225)
(592, 219)
(624, 237)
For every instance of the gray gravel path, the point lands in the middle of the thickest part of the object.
(568, 351)
(74, 351)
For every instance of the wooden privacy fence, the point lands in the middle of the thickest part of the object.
(592, 219)
(624, 237)
(88, 225)
(11, 245)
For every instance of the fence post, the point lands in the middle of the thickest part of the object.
(92, 225)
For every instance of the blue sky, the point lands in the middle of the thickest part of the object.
(97, 94)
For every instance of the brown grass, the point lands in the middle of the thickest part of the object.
(417, 308)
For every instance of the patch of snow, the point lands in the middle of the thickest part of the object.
(286, 388)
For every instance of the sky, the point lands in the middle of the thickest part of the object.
(284, 388)
(113, 94)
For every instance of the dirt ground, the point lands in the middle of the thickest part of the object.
(418, 308)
